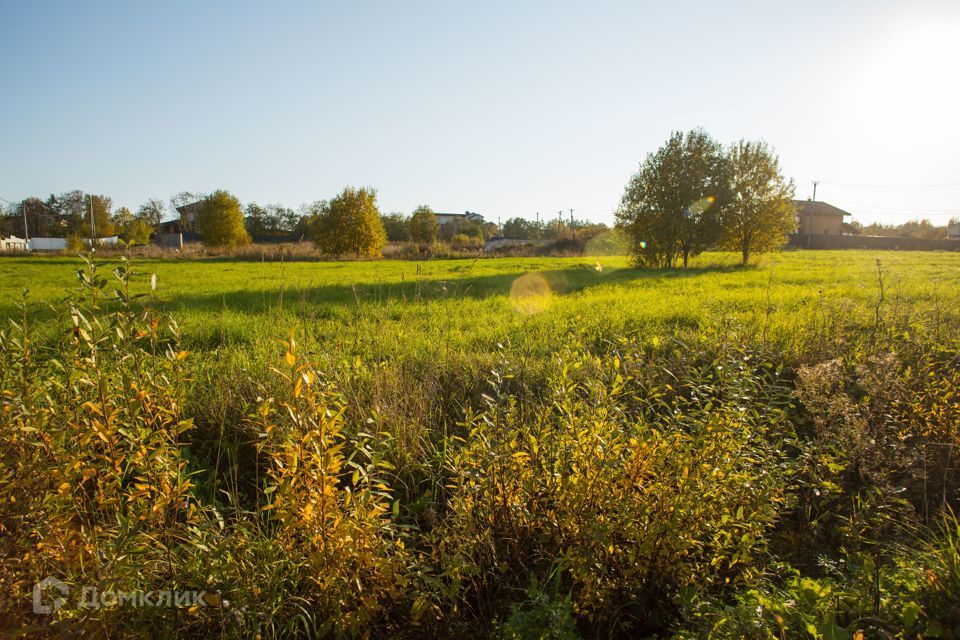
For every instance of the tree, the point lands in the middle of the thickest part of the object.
(62, 215)
(423, 225)
(152, 212)
(131, 229)
(285, 220)
(349, 224)
(8, 221)
(670, 207)
(396, 227)
(520, 229)
(256, 220)
(220, 221)
(40, 221)
(184, 197)
(103, 223)
(271, 220)
(759, 212)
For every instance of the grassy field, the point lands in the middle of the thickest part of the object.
(489, 448)
(384, 309)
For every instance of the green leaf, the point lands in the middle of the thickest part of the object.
(831, 631)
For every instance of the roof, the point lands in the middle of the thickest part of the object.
(191, 207)
(817, 208)
(470, 216)
(466, 214)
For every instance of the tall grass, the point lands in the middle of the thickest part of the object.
(761, 452)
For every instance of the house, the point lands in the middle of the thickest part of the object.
(186, 223)
(188, 217)
(173, 233)
(953, 231)
(459, 218)
(170, 226)
(819, 218)
(13, 244)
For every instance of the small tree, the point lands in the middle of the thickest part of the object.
(349, 224)
(760, 211)
(103, 224)
(423, 225)
(131, 229)
(151, 212)
(669, 207)
(220, 221)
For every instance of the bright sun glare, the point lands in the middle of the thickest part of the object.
(909, 84)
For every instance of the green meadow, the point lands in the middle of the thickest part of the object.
(391, 308)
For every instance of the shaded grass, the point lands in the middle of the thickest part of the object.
(451, 317)
(465, 305)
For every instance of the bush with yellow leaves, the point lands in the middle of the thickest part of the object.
(327, 506)
(94, 490)
(627, 513)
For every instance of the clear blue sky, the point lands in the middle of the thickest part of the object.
(506, 108)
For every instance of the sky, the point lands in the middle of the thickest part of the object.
(504, 108)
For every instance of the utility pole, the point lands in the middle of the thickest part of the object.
(815, 183)
(93, 225)
(571, 217)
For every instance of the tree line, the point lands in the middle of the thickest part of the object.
(349, 223)
(79, 214)
(922, 229)
(690, 195)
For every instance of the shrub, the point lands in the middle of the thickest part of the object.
(350, 224)
(463, 241)
(94, 489)
(75, 243)
(423, 225)
(632, 512)
(220, 221)
(940, 595)
(327, 504)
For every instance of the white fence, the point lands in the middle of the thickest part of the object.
(15, 244)
(48, 244)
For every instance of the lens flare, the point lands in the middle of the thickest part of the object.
(700, 206)
(530, 293)
(643, 244)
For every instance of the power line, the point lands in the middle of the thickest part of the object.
(906, 214)
(893, 186)
(894, 209)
